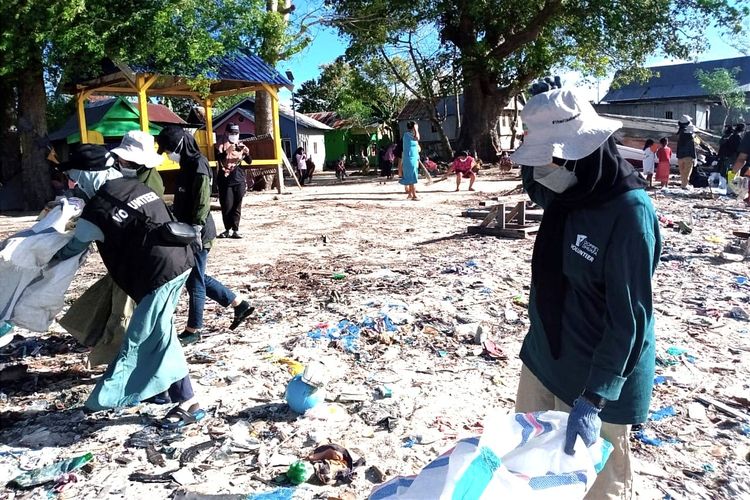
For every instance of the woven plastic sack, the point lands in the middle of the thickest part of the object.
(518, 456)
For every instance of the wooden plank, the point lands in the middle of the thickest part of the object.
(514, 212)
(491, 215)
(510, 231)
(726, 409)
(290, 170)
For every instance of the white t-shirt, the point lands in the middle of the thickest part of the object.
(649, 161)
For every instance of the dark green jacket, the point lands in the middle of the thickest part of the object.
(609, 256)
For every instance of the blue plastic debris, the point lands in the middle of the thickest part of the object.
(745, 430)
(648, 437)
(409, 442)
(662, 379)
(277, 494)
(709, 468)
(741, 280)
(471, 263)
(348, 332)
(676, 351)
(661, 414)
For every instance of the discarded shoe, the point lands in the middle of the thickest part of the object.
(188, 338)
(241, 313)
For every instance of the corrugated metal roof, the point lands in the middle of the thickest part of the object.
(678, 81)
(237, 67)
(248, 104)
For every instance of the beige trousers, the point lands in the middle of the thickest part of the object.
(615, 481)
(686, 168)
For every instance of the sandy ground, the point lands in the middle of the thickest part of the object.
(413, 262)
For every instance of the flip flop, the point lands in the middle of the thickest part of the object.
(193, 415)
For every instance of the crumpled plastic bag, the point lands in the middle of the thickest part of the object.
(518, 456)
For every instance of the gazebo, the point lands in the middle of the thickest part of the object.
(235, 74)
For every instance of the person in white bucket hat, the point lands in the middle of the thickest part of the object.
(590, 345)
(138, 158)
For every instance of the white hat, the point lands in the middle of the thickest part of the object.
(138, 146)
(685, 119)
(561, 124)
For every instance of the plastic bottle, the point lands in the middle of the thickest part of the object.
(51, 472)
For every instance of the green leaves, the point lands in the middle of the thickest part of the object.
(722, 84)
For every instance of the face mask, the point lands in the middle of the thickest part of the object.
(554, 178)
(130, 173)
(175, 157)
(234, 138)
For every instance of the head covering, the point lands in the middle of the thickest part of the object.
(89, 157)
(684, 119)
(138, 147)
(233, 128)
(602, 176)
(561, 124)
(169, 139)
(89, 181)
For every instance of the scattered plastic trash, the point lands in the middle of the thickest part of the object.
(301, 396)
(741, 280)
(338, 276)
(330, 413)
(738, 312)
(300, 472)
(661, 414)
(471, 263)
(345, 331)
(51, 472)
(663, 379)
(409, 442)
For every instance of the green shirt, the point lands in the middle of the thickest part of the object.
(609, 256)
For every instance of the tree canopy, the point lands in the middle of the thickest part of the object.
(503, 45)
(363, 93)
(722, 84)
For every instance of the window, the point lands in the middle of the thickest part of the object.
(668, 115)
(315, 148)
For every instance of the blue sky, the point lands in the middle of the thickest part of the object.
(327, 46)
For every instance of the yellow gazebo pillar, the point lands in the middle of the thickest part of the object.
(81, 109)
(142, 84)
(207, 103)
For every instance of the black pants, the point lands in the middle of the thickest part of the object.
(230, 198)
(180, 391)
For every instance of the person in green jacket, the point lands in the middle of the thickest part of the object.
(590, 346)
(192, 204)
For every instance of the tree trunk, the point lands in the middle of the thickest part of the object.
(32, 133)
(10, 161)
(263, 113)
(481, 114)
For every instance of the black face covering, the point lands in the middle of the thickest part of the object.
(602, 176)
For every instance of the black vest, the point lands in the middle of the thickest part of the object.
(137, 265)
(184, 196)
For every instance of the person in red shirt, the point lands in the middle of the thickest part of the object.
(462, 166)
(662, 169)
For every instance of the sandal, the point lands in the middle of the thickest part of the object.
(193, 415)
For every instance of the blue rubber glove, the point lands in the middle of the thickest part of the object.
(583, 421)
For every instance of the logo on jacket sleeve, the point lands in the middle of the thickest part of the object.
(585, 248)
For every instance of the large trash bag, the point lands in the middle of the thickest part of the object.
(518, 456)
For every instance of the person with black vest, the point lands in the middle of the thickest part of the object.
(120, 215)
(192, 204)
(686, 154)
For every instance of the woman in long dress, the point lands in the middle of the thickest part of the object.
(410, 160)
